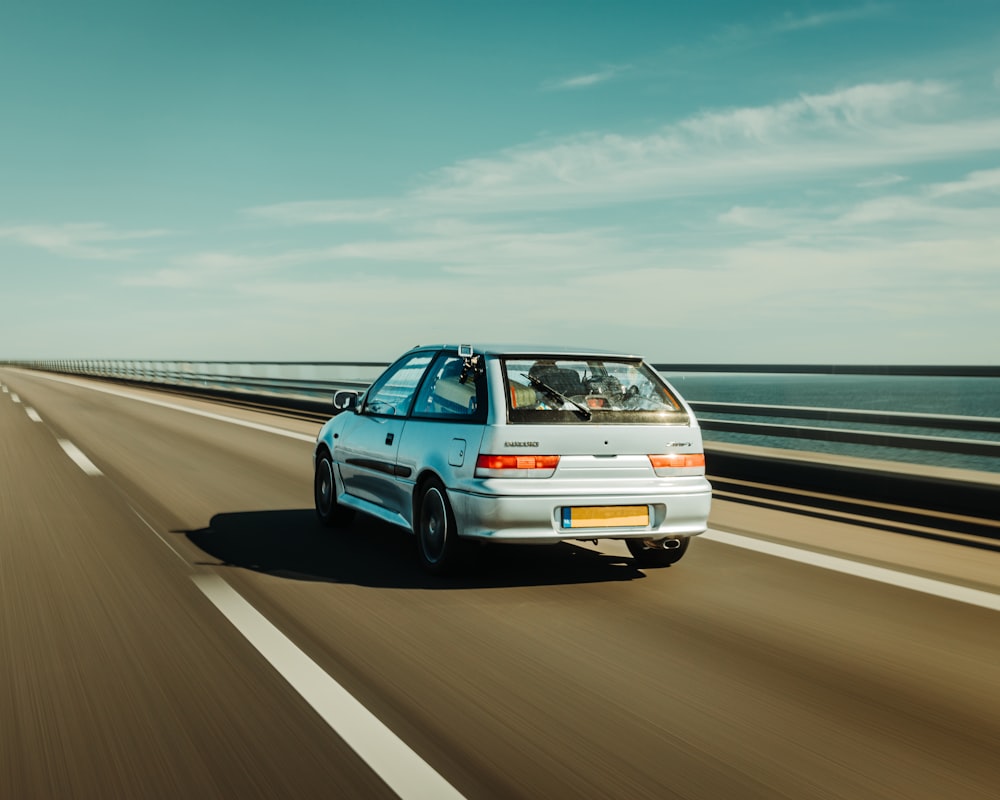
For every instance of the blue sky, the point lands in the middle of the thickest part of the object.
(697, 182)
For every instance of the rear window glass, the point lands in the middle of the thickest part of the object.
(547, 390)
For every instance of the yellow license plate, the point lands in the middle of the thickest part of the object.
(605, 516)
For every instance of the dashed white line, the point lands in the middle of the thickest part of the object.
(949, 591)
(78, 457)
(408, 775)
(15, 397)
(32, 414)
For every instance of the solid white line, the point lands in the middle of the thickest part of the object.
(208, 414)
(32, 414)
(962, 594)
(404, 771)
(78, 457)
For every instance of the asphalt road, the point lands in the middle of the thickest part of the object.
(130, 529)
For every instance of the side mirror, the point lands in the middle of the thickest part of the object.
(345, 400)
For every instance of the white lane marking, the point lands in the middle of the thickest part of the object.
(390, 757)
(32, 414)
(78, 457)
(962, 594)
(14, 397)
(197, 412)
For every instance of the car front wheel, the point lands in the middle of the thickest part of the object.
(644, 556)
(330, 512)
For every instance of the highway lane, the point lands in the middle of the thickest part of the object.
(119, 679)
(552, 672)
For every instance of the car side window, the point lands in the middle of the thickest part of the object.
(392, 394)
(444, 395)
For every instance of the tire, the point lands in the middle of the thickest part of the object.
(329, 511)
(439, 548)
(652, 557)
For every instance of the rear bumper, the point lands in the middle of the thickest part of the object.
(673, 512)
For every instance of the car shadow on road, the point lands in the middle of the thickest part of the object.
(293, 544)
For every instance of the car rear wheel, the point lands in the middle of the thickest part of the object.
(439, 547)
(330, 512)
(656, 556)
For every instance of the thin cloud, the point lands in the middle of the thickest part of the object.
(881, 182)
(825, 19)
(215, 268)
(756, 218)
(861, 127)
(89, 241)
(321, 211)
(980, 181)
(870, 127)
(586, 80)
(924, 213)
(447, 246)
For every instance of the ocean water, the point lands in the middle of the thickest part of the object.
(968, 397)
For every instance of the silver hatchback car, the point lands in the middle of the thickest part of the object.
(462, 444)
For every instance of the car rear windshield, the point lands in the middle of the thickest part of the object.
(587, 390)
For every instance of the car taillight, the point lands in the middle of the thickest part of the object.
(671, 461)
(515, 466)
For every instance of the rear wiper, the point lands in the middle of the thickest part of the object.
(538, 384)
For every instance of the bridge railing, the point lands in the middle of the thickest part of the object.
(918, 435)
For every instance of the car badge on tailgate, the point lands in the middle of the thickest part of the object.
(520, 444)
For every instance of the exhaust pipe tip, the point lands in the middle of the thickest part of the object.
(662, 544)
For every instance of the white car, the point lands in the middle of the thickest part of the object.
(463, 445)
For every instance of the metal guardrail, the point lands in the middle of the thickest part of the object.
(316, 381)
(969, 447)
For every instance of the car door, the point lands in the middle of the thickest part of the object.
(446, 421)
(365, 451)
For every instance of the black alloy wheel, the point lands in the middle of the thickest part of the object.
(439, 547)
(330, 512)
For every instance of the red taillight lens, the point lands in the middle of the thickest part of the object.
(678, 460)
(516, 462)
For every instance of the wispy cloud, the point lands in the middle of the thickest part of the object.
(89, 241)
(756, 218)
(926, 212)
(439, 246)
(865, 128)
(322, 211)
(881, 181)
(862, 127)
(827, 18)
(210, 268)
(585, 80)
(980, 181)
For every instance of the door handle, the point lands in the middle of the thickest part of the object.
(389, 437)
